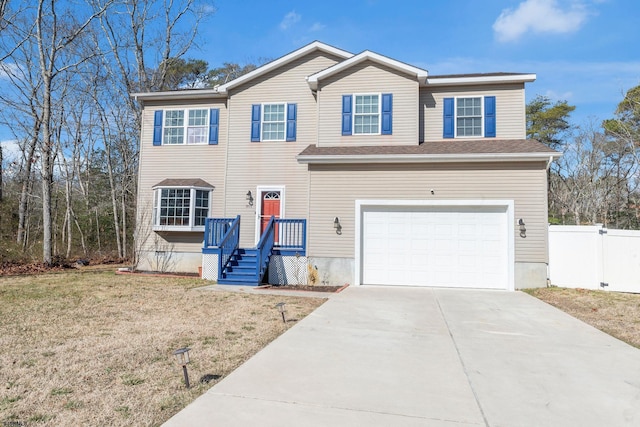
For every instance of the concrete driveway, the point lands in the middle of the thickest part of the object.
(383, 356)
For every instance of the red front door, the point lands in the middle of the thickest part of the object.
(270, 207)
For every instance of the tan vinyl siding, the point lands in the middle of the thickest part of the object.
(368, 78)
(157, 163)
(510, 109)
(334, 189)
(271, 163)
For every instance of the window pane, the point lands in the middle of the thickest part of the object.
(469, 116)
(273, 122)
(202, 207)
(198, 127)
(366, 119)
(174, 118)
(175, 206)
(197, 135)
(198, 117)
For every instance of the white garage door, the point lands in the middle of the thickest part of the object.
(451, 246)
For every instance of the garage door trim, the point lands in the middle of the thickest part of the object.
(362, 205)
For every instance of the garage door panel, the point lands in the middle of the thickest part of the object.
(443, 246)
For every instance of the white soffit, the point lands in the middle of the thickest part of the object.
(472, 80)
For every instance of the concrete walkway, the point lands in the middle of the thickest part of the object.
(382, 356)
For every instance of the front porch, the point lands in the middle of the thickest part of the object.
(281, 250)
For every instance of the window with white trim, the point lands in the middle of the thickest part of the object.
(273, 122)
(186, 126)
(469, 116)
(180, 208)
(366, 115)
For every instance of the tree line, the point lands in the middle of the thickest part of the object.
(596, 181)
(67, 70)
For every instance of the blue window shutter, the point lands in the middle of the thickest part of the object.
(489, 116)
(448, 108)
(291, 121)
(346, 114)
(387, 113)
(214, 117)
(255, 123)
(157, 128)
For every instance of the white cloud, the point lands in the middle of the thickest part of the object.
(553, 95)
(289, 19)
(10, 150)
(539, 16)
(317, 26)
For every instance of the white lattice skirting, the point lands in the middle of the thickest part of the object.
(288, 270)
(210, 266)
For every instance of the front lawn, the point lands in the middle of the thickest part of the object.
(95, 348)
(617, 314)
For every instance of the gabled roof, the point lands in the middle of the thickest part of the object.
(480, 78)
(418, 73)
(311, 47)
(436, 151)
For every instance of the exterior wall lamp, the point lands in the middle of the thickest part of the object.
(523, 229)
(182, 356)
(249, 198)
(337, 225)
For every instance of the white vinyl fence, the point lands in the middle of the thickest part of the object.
(593, 257)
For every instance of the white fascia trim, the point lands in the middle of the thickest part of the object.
(177, 94)
(449, 81)
(282, 61)
(426, 158)
(507, 204)
(419, 73)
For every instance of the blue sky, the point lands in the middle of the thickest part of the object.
(583, 51)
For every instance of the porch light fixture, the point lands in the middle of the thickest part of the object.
(182, 356)
(249, 198)
(282, 310)
(337, 225)
(523, 229)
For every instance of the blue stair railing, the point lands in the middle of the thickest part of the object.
(215, 229)
(291, 237)
(228, 245)
(265, 247)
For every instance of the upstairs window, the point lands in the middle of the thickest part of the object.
(366, 117)
(367, 114)
(186, 127)
(469, 117)
(180, 209)
(197, 126)
(174, 127)
(273, 122)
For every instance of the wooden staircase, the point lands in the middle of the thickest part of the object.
(242, 269)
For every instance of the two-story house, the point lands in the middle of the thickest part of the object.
(332, 168)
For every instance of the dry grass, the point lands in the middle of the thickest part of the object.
(617, 314)
(95, 348)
